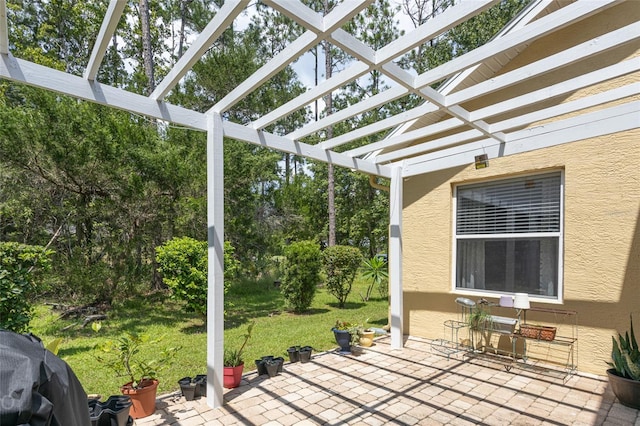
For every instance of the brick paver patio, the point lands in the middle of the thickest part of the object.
(414, 386)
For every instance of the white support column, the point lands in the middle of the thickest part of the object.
(395, 257)
(215, 237)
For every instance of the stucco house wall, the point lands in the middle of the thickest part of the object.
(601, 239)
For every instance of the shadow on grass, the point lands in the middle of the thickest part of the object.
(347, 305)
(195, 328)
(64, 352)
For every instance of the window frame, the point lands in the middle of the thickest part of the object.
(559, 299)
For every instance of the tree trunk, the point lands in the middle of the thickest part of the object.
(329, 110)
(147, 53)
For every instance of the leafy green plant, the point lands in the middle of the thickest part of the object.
(625, 355)
(352, 328)
(234, 357)
(124, 358)
(375, 269)
(183, 264)
(341, 265)
(18, 286)
(301, 274)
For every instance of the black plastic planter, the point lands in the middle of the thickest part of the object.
(280, 362)
(262, 370)
(188, 387)
(305, 354)
(201, 381)
(272, 367)
(294, 354)
(113, 412)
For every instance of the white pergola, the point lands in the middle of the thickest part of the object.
(441, 133)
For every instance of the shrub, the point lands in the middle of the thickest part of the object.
(18, 264)
(341, 265)
(301, 274)
(183, 264)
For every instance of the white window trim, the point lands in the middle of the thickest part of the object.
(495, 294)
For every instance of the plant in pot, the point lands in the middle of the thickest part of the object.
(365, 336)
(346, 335)
(624, 374)
(234, 362)
(480, 324)
(124, 356)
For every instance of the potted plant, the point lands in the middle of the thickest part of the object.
(365, 337)
(124, 357)
(480, 321)
(346, 335)
(234, 362)
(624, 374)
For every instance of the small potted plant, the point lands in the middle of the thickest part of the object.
(124, 356)
(624, 374)
(234, 362)
(346, 335)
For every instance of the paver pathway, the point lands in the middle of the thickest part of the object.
(413, 386)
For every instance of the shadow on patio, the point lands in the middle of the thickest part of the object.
(412, 386)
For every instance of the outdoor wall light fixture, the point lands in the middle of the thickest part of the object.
(482, 161)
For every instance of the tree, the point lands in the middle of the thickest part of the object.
(301, 274)
(341, 265)
(183, 264)
(18, 285)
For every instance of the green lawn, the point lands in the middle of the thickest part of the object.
(275, 330)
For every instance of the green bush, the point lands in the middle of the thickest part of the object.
(183, 264)
(301, 274)
(341, 265)
(18, 284)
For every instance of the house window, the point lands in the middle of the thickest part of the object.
(508, 236)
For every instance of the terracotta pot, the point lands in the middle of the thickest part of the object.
(143, 399)
(232, 376)
(366, 338)
(626, 390)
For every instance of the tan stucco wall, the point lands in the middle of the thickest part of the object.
(601, 240)
(601, 225)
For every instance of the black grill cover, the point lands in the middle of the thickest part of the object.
(36, 387)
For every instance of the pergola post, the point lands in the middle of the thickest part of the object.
(215, 257)
(395, 257)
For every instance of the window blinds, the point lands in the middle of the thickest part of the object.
(521, 205)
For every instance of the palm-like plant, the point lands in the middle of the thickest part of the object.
(375, 269)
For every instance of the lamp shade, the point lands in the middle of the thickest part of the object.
(506, 301)
(521, 301)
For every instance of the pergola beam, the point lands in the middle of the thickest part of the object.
(4, 29)
(568, 86)
(22, 71)
(439, 24)
(550, 63)
(596, 124)
(562, 18)
(516, 122)
(378, 126)
(283, 144)
(220, 22)
(359, 108)
(107, 29)
(268, 70)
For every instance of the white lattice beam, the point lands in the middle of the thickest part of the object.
(107, 29)
(4, 29)
(57, 81)
(220, 22)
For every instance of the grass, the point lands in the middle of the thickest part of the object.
(275, 330)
